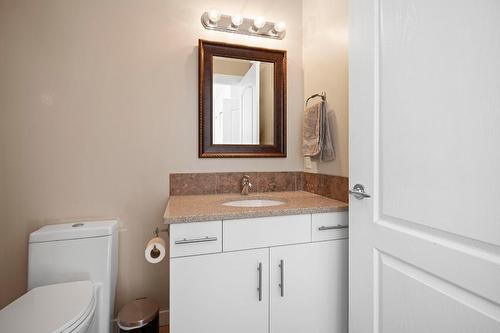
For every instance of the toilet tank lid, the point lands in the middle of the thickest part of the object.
(74, 230)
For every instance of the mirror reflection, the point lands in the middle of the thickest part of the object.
(243, 105)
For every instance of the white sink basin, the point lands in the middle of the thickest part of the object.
(254, 203)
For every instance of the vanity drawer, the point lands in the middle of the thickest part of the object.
(266, 231)
(188, 239)
(326, 226)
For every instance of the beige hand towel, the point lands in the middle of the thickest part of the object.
(317, 138)
(327, 151)
(310, 131)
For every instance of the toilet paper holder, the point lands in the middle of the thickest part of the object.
(158, 230)
(156, 249)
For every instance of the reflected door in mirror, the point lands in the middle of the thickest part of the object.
(242, 101)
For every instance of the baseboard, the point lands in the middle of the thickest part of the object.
(164, 320)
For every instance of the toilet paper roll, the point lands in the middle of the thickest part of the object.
(155, 250)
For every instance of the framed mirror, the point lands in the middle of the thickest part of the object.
(242, 95)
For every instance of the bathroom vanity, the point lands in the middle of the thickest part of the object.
(258, 269)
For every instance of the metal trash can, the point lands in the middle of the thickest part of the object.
(141, 315)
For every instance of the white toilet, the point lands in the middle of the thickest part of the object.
(72, 273)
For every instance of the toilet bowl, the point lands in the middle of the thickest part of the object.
(62, 308)
(72, 272)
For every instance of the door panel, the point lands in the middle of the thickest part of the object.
(449, 308)
(315, 288)
(217, 293)
(424, 112)
(439, 111)
(455, 261)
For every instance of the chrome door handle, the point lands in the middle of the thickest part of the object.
(282, 278)
(259, 289)
(358, 191)
(332, 227)
(196, 240)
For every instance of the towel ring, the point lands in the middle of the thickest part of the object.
(322, 95)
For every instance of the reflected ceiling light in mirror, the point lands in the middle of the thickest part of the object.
(258, 26)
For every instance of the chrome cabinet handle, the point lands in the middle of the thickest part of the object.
(196, 240)
(332, 227)
(282, 278)
(358, 191)
(259, 289)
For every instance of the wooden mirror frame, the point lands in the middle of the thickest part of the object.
(207, 50)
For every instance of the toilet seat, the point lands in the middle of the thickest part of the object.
(81, 324)
(61, 308)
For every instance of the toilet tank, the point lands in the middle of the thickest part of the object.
(74, 252)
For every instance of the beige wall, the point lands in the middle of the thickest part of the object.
(325, 69)
(98, 104)
(266, 103)
(228, 66)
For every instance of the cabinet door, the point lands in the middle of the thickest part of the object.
(219, 293)
(311, 293)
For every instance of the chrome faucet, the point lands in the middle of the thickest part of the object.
(245, 185)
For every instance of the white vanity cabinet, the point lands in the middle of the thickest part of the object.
(219, 292)
(308, 287)
(260, 275)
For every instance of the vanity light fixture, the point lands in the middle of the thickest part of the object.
(258, 26)
(212, 17)
(236, 21)
(279, 26)
(258, 23)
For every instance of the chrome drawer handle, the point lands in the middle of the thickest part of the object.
(333, 227)
(196, 240)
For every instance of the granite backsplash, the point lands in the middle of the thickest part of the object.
(334, 187)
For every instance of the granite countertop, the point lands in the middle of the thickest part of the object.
(197, 208)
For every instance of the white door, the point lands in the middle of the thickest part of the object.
(308, 288)
(231, 117)
(425, 143)
(250, 93)
(218, 293)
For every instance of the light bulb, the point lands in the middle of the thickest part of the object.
(213, 16)
(259, 22)
(279, 26)
(236, 20)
